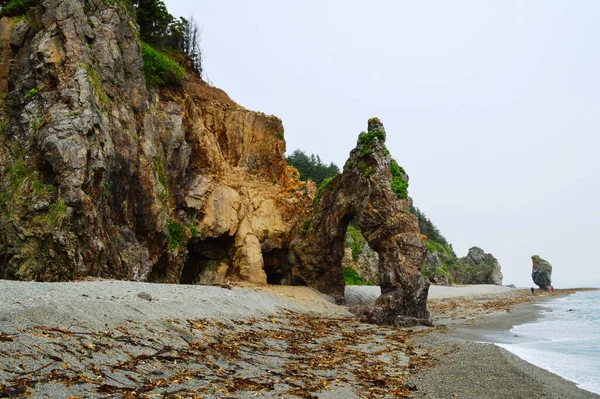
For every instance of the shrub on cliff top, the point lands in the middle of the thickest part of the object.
(12, 8)
(326, 185)
(368, 140)
(159, 69)
(160, 29)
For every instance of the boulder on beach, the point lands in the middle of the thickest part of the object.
(541, 272)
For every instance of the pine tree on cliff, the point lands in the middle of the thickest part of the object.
(312, 167)
(153, 19)
(160, 29)
(428, 228)
(191, 44)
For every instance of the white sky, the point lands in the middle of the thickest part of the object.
(491, 107)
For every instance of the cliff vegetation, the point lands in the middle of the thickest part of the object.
(312, 167)
(118, 161)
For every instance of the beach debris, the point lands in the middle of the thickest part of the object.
(289, 354)
(411, 387)
(6, 338)
(471, 308)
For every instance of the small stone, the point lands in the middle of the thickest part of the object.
(41, 205)
(145, 295)
(411, 387)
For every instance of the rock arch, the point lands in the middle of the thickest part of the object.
(371, 188)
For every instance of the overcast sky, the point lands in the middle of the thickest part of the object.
(493, 108)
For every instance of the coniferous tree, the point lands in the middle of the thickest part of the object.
(427, 227)
(190, 43)
(160, 29)
(312, 167)
(154, 21)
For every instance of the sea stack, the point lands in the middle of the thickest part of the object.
(477, 267)
(373, 189)
(541, 272)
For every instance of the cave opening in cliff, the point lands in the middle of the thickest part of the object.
(276, 266)
(208, 260)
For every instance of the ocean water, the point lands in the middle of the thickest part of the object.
(566, 340)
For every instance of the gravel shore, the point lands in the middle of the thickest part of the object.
(137, 340)
(469, 365)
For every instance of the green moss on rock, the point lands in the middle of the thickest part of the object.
(176, 234)
(326, 185)
(368, 140)
(399, 184)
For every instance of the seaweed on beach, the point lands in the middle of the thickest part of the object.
(471, 308)
(292, 354)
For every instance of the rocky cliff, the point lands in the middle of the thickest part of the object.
(372, 191)
(477, 267)
(435, 270)
(100, 176)
(541, 272)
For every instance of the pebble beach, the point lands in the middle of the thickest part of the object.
(138, 340)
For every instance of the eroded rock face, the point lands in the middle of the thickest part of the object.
(432, 269)
(363, 191)
(477, 267)
(541, 272)
(364, 260)
(100, 176)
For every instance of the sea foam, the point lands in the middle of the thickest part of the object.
(566, 340)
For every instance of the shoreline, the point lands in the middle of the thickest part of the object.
(470, 364)
(108, 337)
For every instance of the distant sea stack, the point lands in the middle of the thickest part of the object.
(477, 268)
(541, 273)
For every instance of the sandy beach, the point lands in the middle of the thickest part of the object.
(138, 340)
